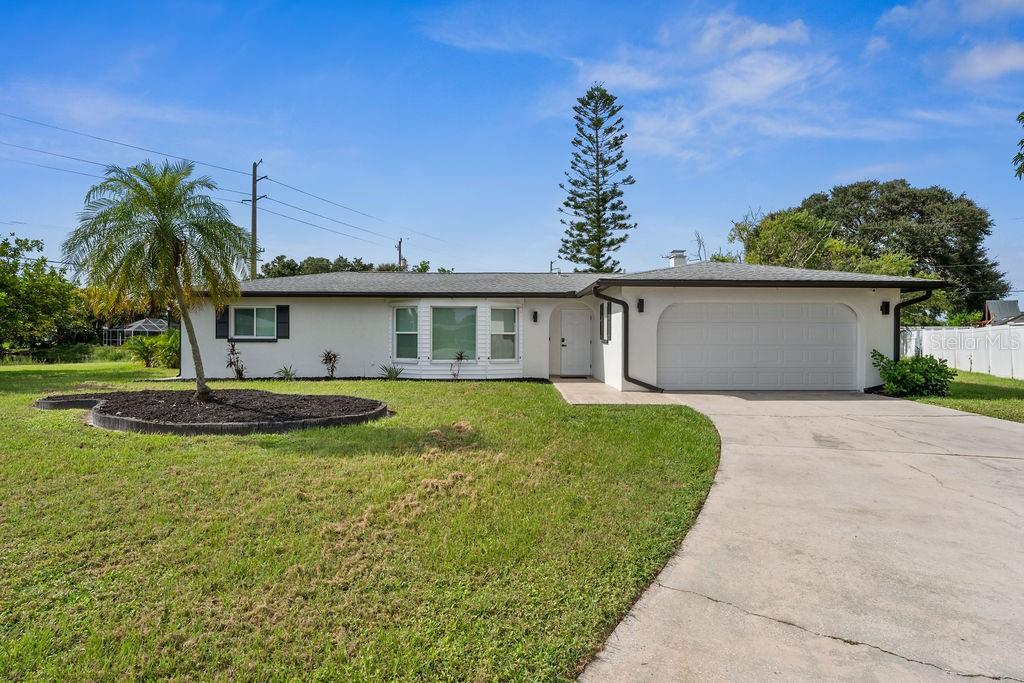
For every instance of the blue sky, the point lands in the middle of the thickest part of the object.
(453, 120)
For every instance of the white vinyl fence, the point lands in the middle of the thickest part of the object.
(996, 350)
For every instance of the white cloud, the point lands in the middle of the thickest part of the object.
(875, 46)
(98, 107)
(934, 16)
(757, 76)
(988, 61)
(480, 27)
(728, 32)
(919, 16)
(621, 75)
(983, 10)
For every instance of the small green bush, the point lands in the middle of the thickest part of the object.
(285, 372)
(143, 348)
(167, 350)
(390, 371)
(914, 376)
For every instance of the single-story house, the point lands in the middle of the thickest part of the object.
(691, 326)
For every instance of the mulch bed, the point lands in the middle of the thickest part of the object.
(230, 406)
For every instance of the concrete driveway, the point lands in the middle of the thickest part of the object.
(846, 537)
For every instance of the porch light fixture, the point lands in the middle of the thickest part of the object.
(534, 316)
(639, 305)
(884, 308)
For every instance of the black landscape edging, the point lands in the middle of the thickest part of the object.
(352, 378)
(132, 424)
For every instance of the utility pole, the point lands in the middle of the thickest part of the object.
(401, 261)
(254, 253)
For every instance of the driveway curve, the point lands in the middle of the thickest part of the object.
(846, 536)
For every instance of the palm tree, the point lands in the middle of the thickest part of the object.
(151, 234)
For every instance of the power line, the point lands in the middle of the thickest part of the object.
(118, 142)
(54, 154)
(34, 259)
(53, 168)
(210, 165)
(334, 220)
(305, 222)
(349, 208)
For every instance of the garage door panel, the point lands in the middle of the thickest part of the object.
(757, 346)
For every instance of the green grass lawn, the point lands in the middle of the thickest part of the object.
(387, 550)
(984, 394)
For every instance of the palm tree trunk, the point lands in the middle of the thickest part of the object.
(203, 393)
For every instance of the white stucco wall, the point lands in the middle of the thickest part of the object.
(361, 332)
(875, 331)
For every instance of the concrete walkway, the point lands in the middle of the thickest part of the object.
(846, 537)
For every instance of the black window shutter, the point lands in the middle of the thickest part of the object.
(222, 322)
(283, 322)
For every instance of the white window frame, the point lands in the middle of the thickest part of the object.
(234, 332)
(476, 334)
(515, 335)
(394, 334)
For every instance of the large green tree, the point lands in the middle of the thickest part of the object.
(943, 232)
(595, 216)
(797, 239)
(151, 233)
(37, 303)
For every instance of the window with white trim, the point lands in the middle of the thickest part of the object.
(406, 333)
(504, 328)
(452, 330)
(255, 322)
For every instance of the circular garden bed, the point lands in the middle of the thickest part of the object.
(233, 411)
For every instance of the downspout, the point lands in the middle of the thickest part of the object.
(625, 341)
(896, 341)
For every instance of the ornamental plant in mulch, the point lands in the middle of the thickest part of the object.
(914, 376)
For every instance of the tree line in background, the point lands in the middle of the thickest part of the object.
(134, 266)
(282, 266)
(884, 228)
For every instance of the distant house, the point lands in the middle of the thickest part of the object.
(1002, 312)
(691, 326)
(116, 336)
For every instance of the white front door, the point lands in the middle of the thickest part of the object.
(575, 341)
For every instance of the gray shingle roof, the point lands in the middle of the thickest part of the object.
(711, 272)
(417, 284)
(563, 285)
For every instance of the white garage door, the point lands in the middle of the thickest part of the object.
(757, 346)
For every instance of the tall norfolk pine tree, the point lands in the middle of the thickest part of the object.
(596, 218)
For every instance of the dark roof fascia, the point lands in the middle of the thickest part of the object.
(407, 295)
(825, 284)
